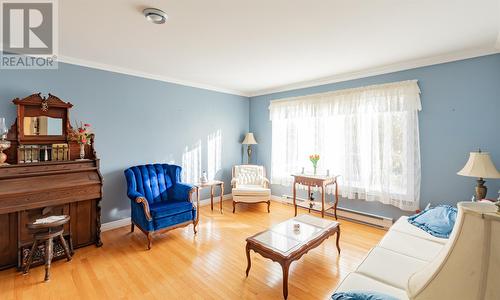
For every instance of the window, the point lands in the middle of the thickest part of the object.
(368, 136)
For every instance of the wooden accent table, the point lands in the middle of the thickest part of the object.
(212, 184)
(283, 244)
(316, 181)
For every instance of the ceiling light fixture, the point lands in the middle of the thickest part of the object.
(155, 15)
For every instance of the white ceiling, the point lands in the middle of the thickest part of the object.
(258, 46)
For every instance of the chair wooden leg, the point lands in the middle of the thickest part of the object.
(30, 257)
(48, 258)
(234, 206)
(132, 227)
(268, 206)
(150, 240)
(194, 227)
(65, 247)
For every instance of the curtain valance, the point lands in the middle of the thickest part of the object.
(391, 97)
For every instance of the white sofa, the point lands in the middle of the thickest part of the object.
(409, 263)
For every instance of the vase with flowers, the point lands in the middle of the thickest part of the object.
(314, 158)
(82, 135)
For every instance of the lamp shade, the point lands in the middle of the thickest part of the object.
(249, 139)
(480, 165)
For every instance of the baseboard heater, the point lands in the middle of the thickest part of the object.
(351, 215)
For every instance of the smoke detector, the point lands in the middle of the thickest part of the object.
(155, 15)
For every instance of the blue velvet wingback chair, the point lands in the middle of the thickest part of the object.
(159, 200)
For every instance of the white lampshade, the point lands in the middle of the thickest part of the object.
(480, 165)
(249, 139)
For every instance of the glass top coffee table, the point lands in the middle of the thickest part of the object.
(290, 240)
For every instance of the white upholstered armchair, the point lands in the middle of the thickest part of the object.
(250, 185)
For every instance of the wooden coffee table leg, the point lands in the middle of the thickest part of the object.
(249, 262)
(336, 199)
(295, 199)
(212, 197)
(338, 238)
(221, 196)
(285, 266)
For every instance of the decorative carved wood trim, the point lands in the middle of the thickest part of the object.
(30, 106)
(286, 260)
(268, 202)
(149, 234)
(145, 206)
(37, 100)
(314, 181)
(28, 188)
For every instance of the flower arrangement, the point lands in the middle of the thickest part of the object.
(82, 134)
(314, 158)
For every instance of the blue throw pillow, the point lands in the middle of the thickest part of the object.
(437, 221)
(361, 295)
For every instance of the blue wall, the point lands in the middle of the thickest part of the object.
(136, 120)
(461, 112)
(140, 120)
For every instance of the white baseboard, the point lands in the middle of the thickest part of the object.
(348, 214)
(126, 221)
(205, 202)
(115, 224)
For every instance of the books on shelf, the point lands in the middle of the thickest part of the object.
(41, 153)
(60, 152)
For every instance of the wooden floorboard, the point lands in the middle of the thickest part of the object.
(210, 265)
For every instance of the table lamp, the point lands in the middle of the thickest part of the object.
(249, 140)
(480, 165)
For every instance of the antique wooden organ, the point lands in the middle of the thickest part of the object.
(45, 176)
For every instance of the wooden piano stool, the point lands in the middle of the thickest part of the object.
(50, 231)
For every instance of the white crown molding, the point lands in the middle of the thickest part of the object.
(116, 69)
(126, 71)
(126, 221)
(406, 65)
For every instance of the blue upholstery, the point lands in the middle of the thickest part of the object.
(173, 220)
(438, 221)
(165, 209)
(167, 197)
(361, 295)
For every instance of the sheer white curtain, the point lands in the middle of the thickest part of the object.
(367, 135)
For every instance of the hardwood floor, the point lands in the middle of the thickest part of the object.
(210, 265)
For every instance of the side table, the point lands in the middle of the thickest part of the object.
(212, 184)
(316, 181)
